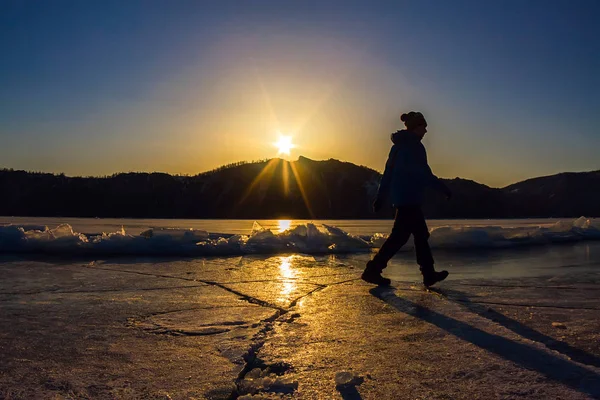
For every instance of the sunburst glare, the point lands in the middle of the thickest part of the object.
(284, 145)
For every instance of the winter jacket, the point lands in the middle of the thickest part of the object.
(407, 173)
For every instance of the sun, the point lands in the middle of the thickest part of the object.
(284, 145)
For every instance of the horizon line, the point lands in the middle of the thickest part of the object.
(244, 162)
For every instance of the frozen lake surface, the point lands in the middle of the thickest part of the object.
(519, 322)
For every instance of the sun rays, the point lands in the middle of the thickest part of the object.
(292, 184)
(265, 177)
(301, 188)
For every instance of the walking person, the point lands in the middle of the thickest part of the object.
(404, 180)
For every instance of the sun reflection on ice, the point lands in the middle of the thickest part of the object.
(288, 275)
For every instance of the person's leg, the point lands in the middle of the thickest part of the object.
(425, 260)
(398, 237)
(421, 235)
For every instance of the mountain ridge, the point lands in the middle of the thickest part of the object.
(277, 188)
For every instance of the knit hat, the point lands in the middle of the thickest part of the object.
(413, 119)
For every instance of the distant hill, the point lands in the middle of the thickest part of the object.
(277, 188)
(567, 194)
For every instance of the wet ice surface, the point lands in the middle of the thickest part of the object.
(520, 323)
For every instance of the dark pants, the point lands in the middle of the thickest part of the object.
(409, 220)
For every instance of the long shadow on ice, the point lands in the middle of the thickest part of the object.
(349, 393)
(523, 330)
(555, 368)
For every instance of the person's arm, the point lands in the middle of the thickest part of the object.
(430, 177)
(386, 179)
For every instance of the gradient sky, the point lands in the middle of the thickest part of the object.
(511, 88)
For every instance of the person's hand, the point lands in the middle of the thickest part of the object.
(377, 205)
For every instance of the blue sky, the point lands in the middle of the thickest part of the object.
(510, 89)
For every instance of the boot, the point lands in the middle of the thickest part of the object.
(372, 274)
(431, 276)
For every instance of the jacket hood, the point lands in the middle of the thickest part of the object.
(403, 136)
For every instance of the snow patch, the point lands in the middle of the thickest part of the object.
(257, 381)
(308, 238)
(346, 378)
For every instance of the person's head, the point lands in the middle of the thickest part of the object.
(415, 122)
